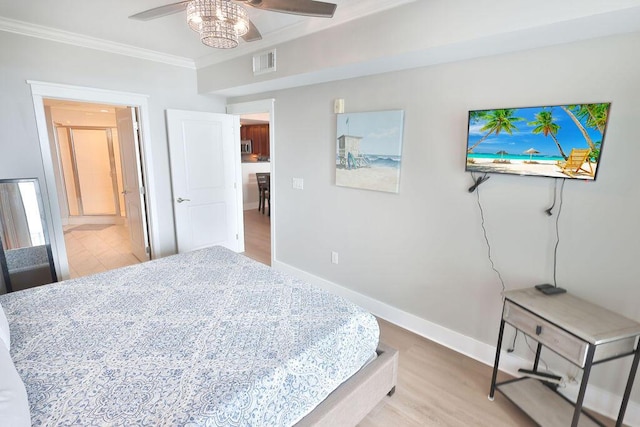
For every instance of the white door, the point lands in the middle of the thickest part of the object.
(133, 190)
(204, 153)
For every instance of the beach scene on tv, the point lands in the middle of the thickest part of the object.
(562, 141)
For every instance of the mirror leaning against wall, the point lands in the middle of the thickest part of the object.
(25, 256)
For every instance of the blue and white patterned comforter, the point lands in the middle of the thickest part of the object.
(207, 338)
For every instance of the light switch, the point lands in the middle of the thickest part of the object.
(297, 183)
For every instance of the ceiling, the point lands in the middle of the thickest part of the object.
(92, 22)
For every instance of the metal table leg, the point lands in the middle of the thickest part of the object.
(627, 390)
(495, 364)
(537, 359)
(583, 385)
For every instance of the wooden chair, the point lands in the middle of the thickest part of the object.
(573, 165)
(264, 187)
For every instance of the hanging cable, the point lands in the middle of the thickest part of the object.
(555, 188)
(484, 230)
(477, 181)
(555, 250)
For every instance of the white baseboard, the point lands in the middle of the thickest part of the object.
(597, 399)
(250, 205)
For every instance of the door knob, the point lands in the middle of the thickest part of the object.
(180, 200)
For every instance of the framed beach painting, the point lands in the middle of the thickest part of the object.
(369, 150)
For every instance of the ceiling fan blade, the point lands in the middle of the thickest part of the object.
(295, 7)
(253, 34)
(157, 12)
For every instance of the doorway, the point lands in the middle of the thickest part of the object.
(257, 132)
(254, 134)
(91, 171)
(94, 175)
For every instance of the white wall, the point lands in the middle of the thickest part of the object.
(422, 251)
(26, 58)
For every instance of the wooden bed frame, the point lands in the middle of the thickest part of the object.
(355, 398)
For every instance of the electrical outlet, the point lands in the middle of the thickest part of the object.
(334, 257)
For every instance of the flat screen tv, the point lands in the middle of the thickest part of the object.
(559, 141)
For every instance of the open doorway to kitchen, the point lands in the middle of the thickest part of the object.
(257, 152)
(99, 184)
(256, 159)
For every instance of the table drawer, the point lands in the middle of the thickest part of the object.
(566, 345)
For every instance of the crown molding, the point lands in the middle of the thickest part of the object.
(61, 36)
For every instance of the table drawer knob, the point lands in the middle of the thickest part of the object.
(538, 330)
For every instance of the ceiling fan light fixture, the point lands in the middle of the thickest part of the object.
(196, 10)
(219, 22)
(194, 23)
(218, 34)
(241, 24)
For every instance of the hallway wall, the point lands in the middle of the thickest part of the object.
(167, 86)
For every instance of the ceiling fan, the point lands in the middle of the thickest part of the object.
(218, 21)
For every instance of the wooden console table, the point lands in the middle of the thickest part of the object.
(583, 333)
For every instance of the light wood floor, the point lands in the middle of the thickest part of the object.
(440, 387)
(436, 386)
(257, 236)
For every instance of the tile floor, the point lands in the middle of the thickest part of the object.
(93, 248)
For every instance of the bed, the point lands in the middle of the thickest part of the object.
(205, 338)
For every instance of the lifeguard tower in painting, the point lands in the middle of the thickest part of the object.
(349, 156)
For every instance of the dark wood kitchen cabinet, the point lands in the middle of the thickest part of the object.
(259, 136)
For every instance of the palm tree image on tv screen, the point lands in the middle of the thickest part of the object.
(560, 141)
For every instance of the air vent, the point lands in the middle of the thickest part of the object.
(264, 62)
